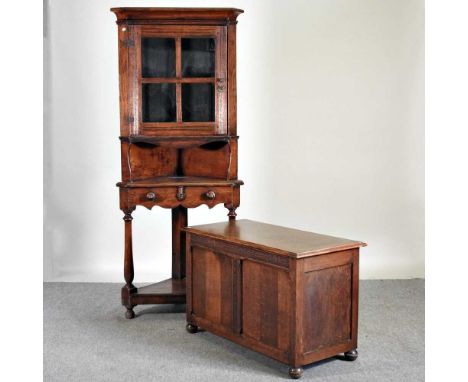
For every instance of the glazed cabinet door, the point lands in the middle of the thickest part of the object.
(181, 80)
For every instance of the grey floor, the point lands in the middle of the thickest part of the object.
(87, 338)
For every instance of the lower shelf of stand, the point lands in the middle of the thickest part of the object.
(170, 291)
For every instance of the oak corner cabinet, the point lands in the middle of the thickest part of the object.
(178, 133)
(291, 295)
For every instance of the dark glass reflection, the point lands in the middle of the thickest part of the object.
(198, 103)
(157, 57)
(159, 102)
(198, 57)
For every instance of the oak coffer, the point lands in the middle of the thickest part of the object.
(289, 294)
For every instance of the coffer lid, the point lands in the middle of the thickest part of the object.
(281, 240)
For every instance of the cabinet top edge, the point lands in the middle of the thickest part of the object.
(180, 14)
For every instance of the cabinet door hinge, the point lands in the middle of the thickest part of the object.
(127, 43)
(130, 119)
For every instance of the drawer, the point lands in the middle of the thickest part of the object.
(186, 196)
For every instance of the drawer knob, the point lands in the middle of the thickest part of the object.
(180, 193)
(210, 195)
(151, 195)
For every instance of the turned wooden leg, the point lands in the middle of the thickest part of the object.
(191, 328)
(233, 203)
(232, 213)
(351, 355)
(179, 221)
(295, 372)
(128, 288)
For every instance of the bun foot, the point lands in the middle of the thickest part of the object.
(129, 314)
(295, 372)
(351, 355)
(191, 328)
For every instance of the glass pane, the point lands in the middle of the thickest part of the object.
(157, 57)
(198, 102)
(159, 102)
(198, 57)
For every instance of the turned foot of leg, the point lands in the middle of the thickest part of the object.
(295, 372)
(351, 355)
(129, 313)
(191, 328)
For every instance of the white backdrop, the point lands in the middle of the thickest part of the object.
(331, 125)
